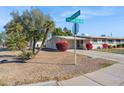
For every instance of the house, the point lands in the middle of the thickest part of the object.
(83, 40)
(97, 41)
(51, 43)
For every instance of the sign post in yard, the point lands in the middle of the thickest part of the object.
(75, 31)
(73, 19)
(75, 46)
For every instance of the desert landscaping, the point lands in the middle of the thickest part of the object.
(47, 65)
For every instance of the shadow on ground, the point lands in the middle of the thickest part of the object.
(49, 50)
(12, 61)
(4, 49)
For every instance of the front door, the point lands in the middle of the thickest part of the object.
(78, 44)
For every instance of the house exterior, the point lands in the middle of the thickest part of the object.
(51, 43)
(97, 41)
(83, 40)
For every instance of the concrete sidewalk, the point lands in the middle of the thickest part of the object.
(110, 76)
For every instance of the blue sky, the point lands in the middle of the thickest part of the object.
(97, 20)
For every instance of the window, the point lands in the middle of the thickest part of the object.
(95, 40)
(123, 41)
(81, 41)
(110, 41)
(118, 41)
(103, 40)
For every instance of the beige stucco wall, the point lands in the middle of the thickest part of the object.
(52, 43)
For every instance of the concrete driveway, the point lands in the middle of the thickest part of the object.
(105, 55)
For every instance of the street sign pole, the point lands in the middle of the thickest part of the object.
(73, 19)
(75, 43)
(75, 56)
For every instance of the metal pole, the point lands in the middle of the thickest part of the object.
(75, 44)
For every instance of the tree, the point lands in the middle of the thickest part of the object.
(34, 24)
(2, 38)
(60, 32)
(67, 32)
(16, 42)
(49, 26)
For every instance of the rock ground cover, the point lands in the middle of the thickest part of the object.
(47, 65)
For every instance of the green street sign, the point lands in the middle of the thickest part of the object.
(68, 19)
(75, 15)
(76, 20)
(79, 21)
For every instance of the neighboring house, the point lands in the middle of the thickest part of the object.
(97, 41)
(82, 40)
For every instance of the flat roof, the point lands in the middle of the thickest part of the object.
(71, 37)
(100, 37)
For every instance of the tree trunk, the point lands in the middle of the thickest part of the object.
(34, 43)
(43, 41)
(30, 45)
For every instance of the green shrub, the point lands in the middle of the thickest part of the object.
(123, 45)
(114, 46)
(118, 45)
(26, 55)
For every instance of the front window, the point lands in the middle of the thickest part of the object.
(110, 41)
(95, 40)
(118, 41)
(103, 40)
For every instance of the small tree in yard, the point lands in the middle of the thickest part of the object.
(30, 27)
(18, 42)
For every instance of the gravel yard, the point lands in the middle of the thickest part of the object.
(47, 66)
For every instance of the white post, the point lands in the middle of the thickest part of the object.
(75, 46)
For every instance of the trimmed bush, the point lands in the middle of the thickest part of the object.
(114, 46)
(89, 46)
(110, 46)
(104, 46)
(119, 45)
(62, 46)
(123, 45)
(26, 56)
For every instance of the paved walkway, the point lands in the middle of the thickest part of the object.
(104, 55)
(110, 76)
